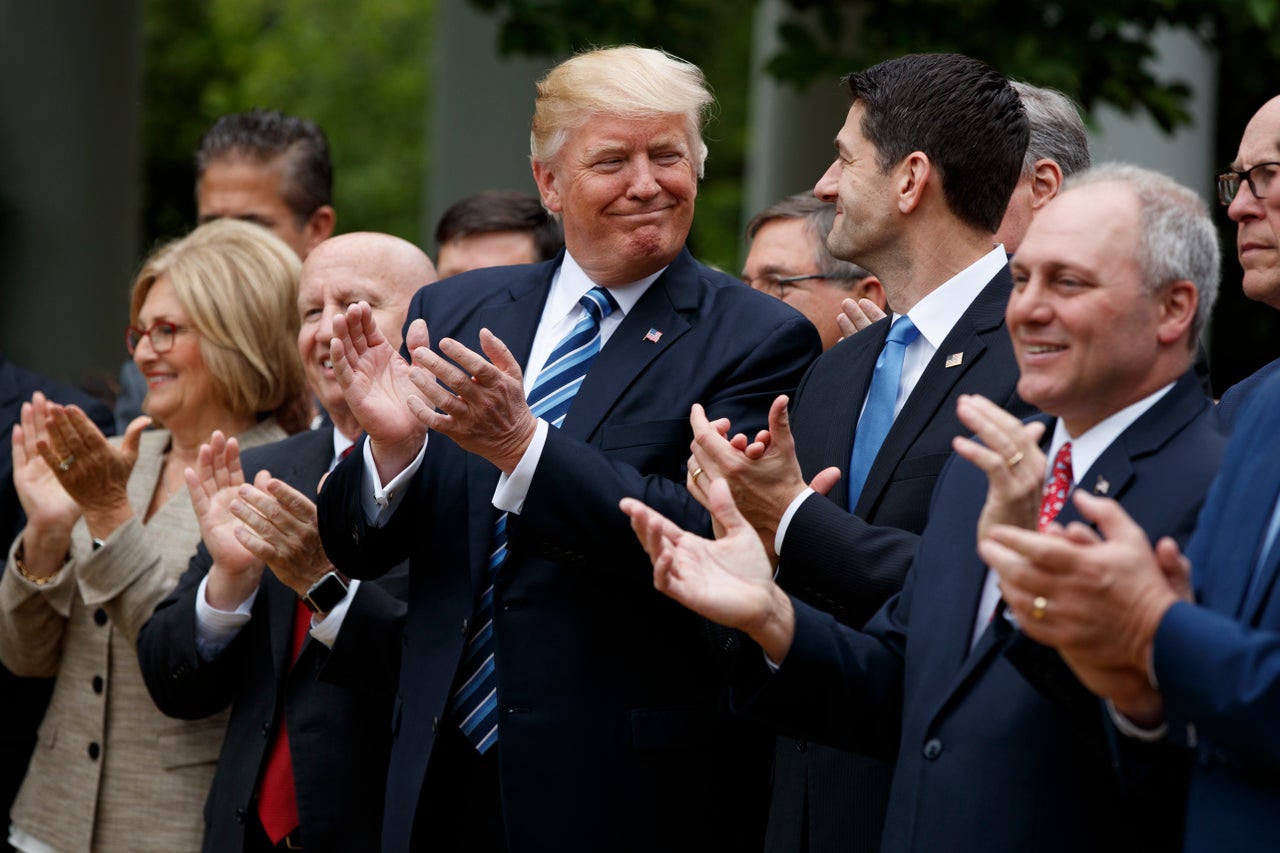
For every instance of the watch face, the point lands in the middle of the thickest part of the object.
(325, 593)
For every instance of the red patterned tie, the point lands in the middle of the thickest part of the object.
(1057, 488)
(277, 796)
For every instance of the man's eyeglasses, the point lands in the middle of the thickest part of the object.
(1258, 177)
(776, 285)
(161, 333)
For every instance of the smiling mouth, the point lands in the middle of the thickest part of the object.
(1042, 349)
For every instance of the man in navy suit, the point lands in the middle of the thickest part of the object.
(931, 149)
(1104, 326)
(597, 724)
(230, 632)
(1252, 198)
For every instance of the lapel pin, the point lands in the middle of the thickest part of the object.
(653, 336)
(1102, 486)
(955, 359)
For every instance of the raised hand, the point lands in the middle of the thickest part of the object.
(375, 383)
(856, 316)
(1009, 454)
(215, 484)
(93, 472)
(728, 580)
(49, 508)
(477, 400)
(278, 526)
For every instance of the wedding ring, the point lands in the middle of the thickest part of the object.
(1039, 605)
(64, 464)
(697, 472)
(1013, 460)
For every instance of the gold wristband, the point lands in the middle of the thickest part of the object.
(21, 566)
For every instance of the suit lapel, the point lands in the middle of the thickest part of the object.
(282, 605)
(857, 364)
(628, 352)
(984, 316)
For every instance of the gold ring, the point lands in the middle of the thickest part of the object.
(64, 464)
(1039, 605)
(1013, 460)
(697, 472)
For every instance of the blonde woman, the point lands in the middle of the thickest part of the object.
(110, 529)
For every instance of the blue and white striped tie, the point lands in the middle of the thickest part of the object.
(475, 704)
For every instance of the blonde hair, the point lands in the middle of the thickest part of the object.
(628, 82)
(238, 283)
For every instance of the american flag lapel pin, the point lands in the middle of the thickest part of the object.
(1102, 486)
(653, 336)
(954, 360)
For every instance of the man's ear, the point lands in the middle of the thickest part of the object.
(320, 226)
(911, 175)
(1178, 303)
(1046, 182)
(544, 176)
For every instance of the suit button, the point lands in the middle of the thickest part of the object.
(239, 815)
(266, 729)
(355, 534)
(94, 750)
(933, 749)
(99, 617)
(97, 684)
(465, 624)
(801, 746)
(435, 724)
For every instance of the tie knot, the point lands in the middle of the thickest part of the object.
(1062, 462)
(599, 303)
(903, 331)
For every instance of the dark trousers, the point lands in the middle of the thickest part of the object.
(461, 807)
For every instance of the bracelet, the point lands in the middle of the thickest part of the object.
(21, 566)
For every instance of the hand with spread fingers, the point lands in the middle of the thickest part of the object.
(728, 580)
(278, 526)
(93, 471)
(1097, 599)
(476, 399)
(46, 503)
(856, 316)
(375, 384)
(1008, 452)
(214, 485)
(763, 475)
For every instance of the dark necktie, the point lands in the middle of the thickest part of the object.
(877, 414)
(475, 703)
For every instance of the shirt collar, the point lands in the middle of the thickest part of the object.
(571, 284)
(1093, 442)
(936, 314)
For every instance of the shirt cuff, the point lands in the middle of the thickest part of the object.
(378, 501)
(1128, 728)
(215, 629)
(512, 490)
(326, 630)
(785, 521)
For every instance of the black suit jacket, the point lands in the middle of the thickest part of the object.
(849, 563)
(984, 760)
(25, 698)
(339, 737)
(610, 732)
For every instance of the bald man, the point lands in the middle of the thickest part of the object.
(288, 649)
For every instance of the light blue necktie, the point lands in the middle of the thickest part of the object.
(877, 415)
(475, 703)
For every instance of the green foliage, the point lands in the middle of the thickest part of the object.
(360, 71)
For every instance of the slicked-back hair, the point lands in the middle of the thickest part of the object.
(238, 283)
(818, 217)
(1057, 131)
(628, 82)
(1178, 241)
(265, 136)
(961, 113)
(493, 211)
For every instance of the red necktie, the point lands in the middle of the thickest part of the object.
(1057, 488)
(277, 796)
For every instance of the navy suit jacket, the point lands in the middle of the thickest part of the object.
(1233, 398)
(1218, 664)
(985, 762)
(850, 563)
(340, 738)
(610, 732)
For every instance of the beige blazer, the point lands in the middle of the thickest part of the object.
(110, 773)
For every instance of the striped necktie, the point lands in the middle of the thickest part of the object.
(475, 703)
(878, 414)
